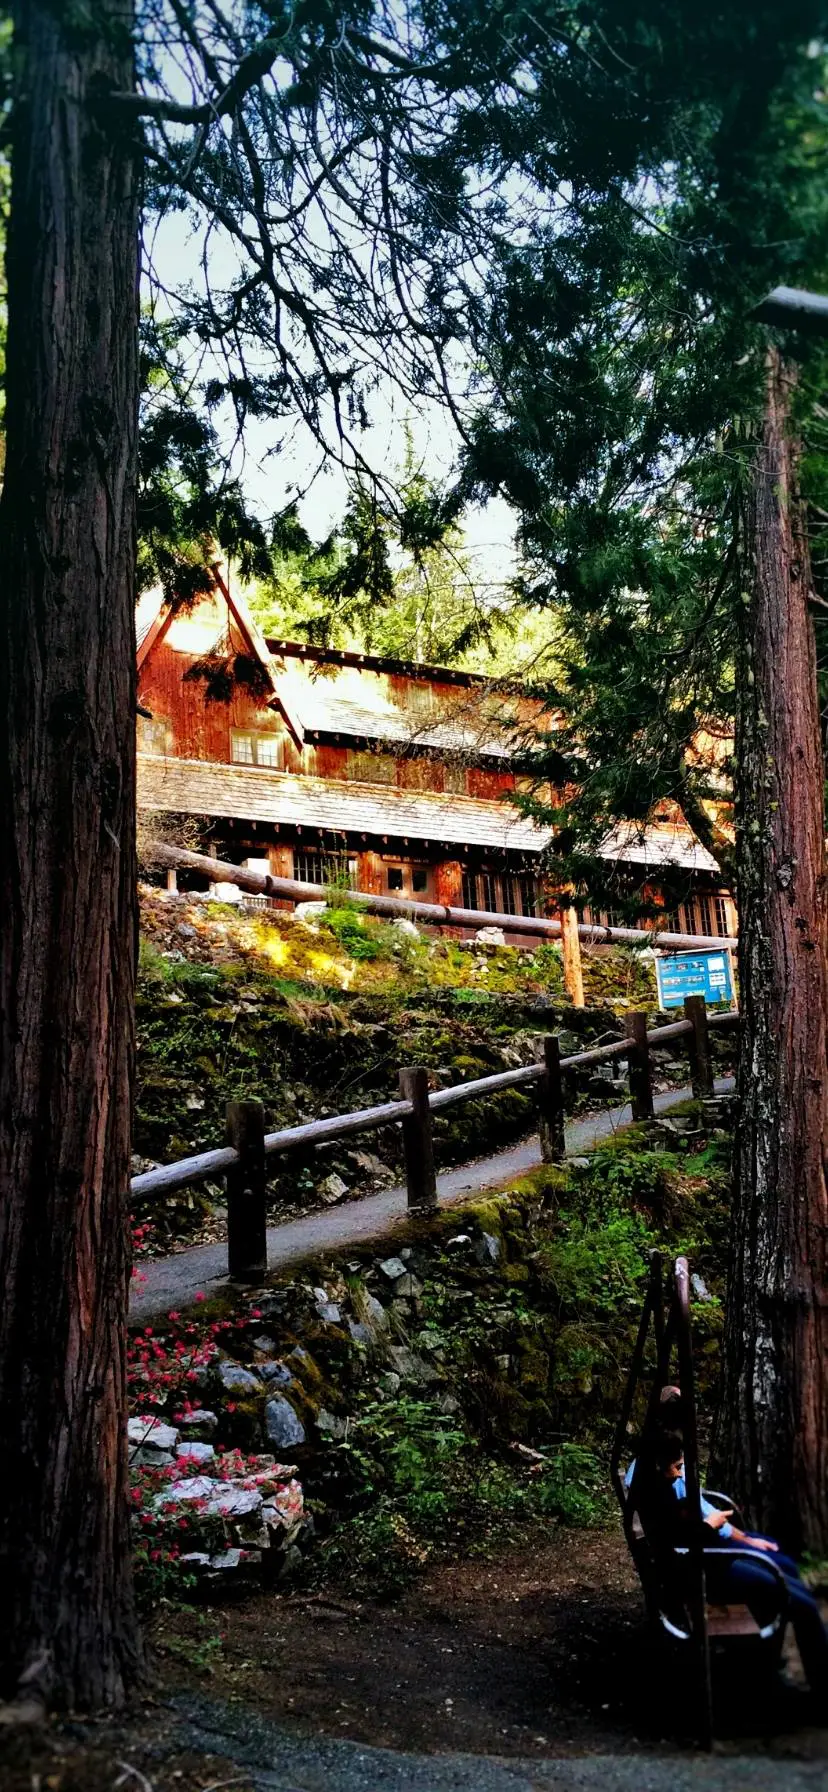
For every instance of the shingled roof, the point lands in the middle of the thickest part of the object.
(255, 793)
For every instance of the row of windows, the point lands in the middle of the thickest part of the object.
(708, 914)
(502, 893)
(313, 865)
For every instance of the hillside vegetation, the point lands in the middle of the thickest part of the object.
(316, 1019)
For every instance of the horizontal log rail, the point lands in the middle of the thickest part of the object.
(431, 914)
(241, 1163)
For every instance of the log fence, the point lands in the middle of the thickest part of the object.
(242, 1161)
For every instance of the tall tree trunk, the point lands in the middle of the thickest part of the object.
(67, 868)
(773, 1428)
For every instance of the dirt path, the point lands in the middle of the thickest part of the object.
(168, 1283)
(524, 1671)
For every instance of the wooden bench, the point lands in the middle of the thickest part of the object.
(673, 1578)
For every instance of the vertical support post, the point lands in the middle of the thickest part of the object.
(573, 974)
(418, 1142)
(172, 881)
(638, 1059)
(698, 1047)
(246, 1208)
(550, 1103)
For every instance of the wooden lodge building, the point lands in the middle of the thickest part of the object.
(322, 765)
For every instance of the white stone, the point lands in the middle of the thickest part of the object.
(229, 1559)
(490, 936)
(195, 1452)
(152, 1433)
(393, 1268)
(196, 1558)
(406, 929)
(233, 1502)
(309, 911)
(238, 1380)
(184, 1493)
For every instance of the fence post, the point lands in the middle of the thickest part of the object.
(573, 974)
(418, 1142)
(638, 1059)
(550, 1103)
(246, 1212)
(698, 1047)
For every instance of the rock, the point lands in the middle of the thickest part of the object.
(291, 1562)
(360, 1333)
(185, 931)
(152, 1433)
(194, 1104)
(430, 1341)
(201, 1420)
(487, 1249)
(271, 1306)
(283, 1426)
(407, 1288)
(195, 1452)
(195, 1558)
(238, 1380)
(329, 1312)
(406, 930)
(376, 1317)
(230, 1559)
(490, 936)
(390, 1382)
(393, 1268)
(186, 1493)
(276, 1374)
(368, 1165)
(579, 1163)
(700, 1288)
(457, 1242)
(309, 911)
(286, 1508)
(332, 1189)
(448, 1404)
(265, 1344)
(233, 1502)
(140, 1458)
(411, 1367)
(330, 1426)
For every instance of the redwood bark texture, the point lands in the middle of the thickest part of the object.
(772, 1437)
(67, 869)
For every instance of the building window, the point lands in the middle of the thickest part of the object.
(395, 877)
(528, 894)
(722, 921)
(371, 768)
(488, 891)
(152, 735)
(419, 879)
(454, 777)
(705, 920)
(256, 749)
(469, 890)
(508, 885)
(419, 700)
(313, 865)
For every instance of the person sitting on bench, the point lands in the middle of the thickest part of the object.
(730, 1580)
(668, 1418)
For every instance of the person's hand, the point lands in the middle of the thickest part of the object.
(717, 1519)
(763, 1543)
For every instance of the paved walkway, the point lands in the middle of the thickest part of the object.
(174, 1282)
(279, 1760)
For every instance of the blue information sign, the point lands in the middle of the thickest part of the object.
(681, 974)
